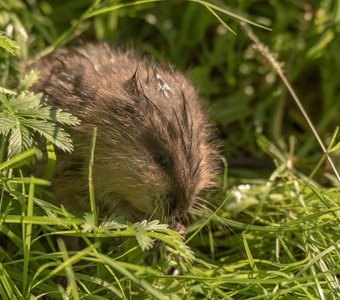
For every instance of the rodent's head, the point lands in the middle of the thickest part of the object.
(154, 151)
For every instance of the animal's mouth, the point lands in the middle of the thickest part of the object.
(138, 214)
(136, 208)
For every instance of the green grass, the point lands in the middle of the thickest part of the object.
(274, 233)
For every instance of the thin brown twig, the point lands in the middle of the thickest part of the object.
(258, 45)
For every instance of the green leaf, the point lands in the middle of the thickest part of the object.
(111, 224)
(51, 114)
(324, 40)
(7, 122)
(6, 43)
(4, 101)
(335, 148)
(25, 101)
(152, 226)
(55, 134)
(22, 115)
(88, 225)
(62, 117)
(7, 91)
(19, 140)
(144, 241)
(28, 80)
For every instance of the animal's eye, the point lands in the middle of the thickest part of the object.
(163, 160)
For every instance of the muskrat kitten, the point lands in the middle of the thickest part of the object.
(154, 152)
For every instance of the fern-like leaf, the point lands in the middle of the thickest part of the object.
(19, 140)
(7, 122)
(56, 135)
(50, 114)
(150, 226)
(6, 43)
(28, 80)
(145, 242)
(25, 114)
(25, 101)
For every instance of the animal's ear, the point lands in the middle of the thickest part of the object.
(134, 89)
(131, 85)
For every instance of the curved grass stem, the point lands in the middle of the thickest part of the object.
(258, 45)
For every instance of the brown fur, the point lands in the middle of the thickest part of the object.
(154, 152)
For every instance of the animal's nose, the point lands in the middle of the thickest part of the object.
(177, 202)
